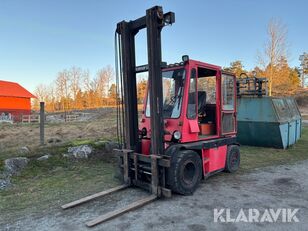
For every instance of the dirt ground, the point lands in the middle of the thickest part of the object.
(283, 186)
(102, 124)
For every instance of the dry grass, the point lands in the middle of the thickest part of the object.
(14, 136)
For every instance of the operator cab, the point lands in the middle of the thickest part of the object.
(198, 104)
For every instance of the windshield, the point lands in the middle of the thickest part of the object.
(173, 89)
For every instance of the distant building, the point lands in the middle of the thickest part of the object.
(15, 101)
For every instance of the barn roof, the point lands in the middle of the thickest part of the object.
(12, 89)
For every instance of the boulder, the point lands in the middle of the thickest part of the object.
(24, 150)
(45, 157)
(110, 145)
(13, 166)
(54, 140)
(80, 152)
(4, 183)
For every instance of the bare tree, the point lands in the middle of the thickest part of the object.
(275, 48)
(86, 82)
(41, 93)
(74, 89)
(75, 82)
(51, 106)
(101, 84)
(86, 87)
(109, 75)
(304, 68)
(62, 89)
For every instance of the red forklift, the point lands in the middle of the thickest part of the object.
(187, 131)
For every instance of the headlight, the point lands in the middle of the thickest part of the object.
(185, 58)
(177, 135)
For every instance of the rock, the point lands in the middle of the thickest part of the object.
(109, 146)
(100, 144)
(14, 165)
(80, 152)
(54, 140)
(57, 169)
(24, 150)
(4, 183)
(45, 157)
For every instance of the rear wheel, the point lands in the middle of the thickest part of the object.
(185, 172)
(233, 159)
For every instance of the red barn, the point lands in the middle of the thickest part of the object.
(14, 100)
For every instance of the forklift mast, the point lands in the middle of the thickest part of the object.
(154, 21)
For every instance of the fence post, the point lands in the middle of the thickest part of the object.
(42, 123)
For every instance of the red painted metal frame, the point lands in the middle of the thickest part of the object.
(234, 112)
(214, 158)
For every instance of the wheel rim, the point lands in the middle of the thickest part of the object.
(189, 172)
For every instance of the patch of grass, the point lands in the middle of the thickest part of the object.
(55, 149)
(48, 184)
(44, 185)
(95, 143)
(256, 157)
(81, 142)
(1, 166)
(34, 152)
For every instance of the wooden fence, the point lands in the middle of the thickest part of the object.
(36, 118)
(30, 118)
(70, 118)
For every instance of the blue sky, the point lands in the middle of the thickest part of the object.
(39, 38)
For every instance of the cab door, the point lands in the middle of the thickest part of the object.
(228, 104)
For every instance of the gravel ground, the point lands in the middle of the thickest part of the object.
(272, 187)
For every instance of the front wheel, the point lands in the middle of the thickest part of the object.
(185, 172)
(233, 159)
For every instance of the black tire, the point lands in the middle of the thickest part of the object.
(185, 172)
(233, 158)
